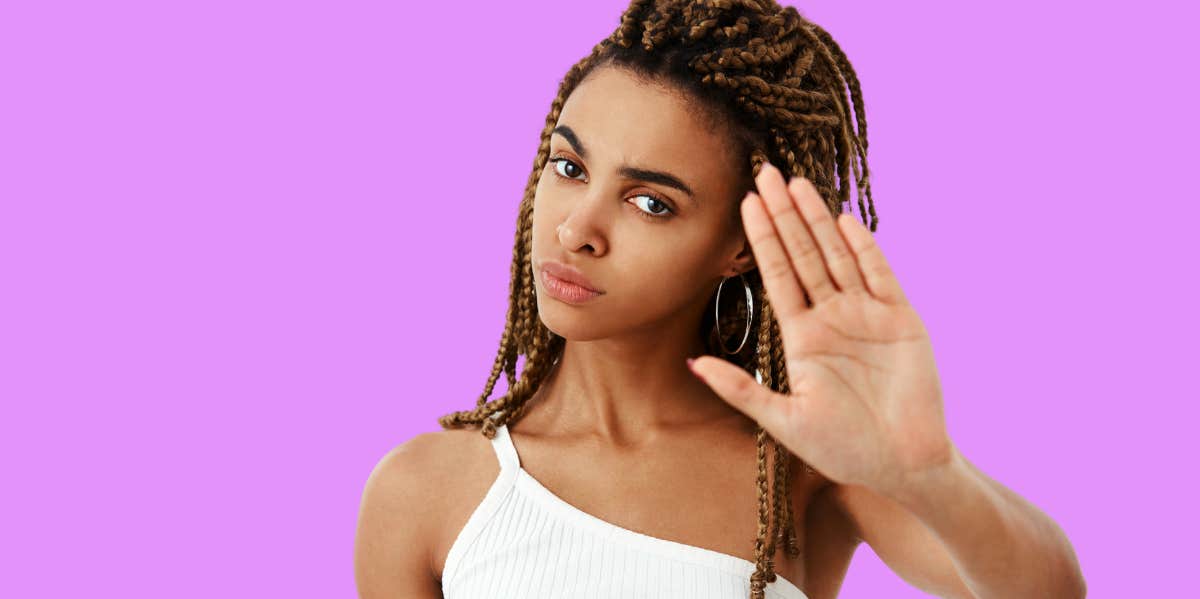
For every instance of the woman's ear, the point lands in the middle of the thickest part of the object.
(741, 262)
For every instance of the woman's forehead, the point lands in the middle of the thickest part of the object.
(622, 117)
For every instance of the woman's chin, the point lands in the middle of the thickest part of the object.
(573, 322)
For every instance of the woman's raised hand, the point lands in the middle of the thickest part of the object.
(865, 404)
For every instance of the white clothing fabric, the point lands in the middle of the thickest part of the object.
(524, 541)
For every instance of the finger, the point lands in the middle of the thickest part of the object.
(779, 279)
(801, 248)
(874, 267)
(775, 412)
(839, 261)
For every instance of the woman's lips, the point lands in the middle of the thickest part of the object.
(565, 291)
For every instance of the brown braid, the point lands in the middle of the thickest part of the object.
(785, 92)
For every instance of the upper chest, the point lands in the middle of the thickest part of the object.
(699, 490)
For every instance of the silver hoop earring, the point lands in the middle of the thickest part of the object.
(749, 315)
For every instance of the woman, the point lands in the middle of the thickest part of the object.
(686, 201)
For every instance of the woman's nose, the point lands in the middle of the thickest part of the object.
(583, 227)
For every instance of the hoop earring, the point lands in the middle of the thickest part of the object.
(749, 315)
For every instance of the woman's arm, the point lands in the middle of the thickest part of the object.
(391, 545)
(864, 405)
(961, 534)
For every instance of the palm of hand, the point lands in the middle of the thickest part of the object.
(864, 404)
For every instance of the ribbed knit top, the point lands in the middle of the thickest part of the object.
(522, 540)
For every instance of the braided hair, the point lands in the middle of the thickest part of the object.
(778, 83)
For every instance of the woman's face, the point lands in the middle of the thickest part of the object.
(638, 195)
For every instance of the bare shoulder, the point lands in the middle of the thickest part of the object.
(397, 522)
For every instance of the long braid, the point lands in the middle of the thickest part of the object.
(787, 93)
(778, 363)
(860, 115)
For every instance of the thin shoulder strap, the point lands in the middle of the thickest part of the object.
(506, 452)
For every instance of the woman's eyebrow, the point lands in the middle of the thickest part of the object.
(629, 172)
(569, 135)
(659, 177)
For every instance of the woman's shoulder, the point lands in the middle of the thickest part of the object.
(395, 531)
(435, 459)
(412, 471)
(429, 480)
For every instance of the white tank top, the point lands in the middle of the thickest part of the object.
(522, 540)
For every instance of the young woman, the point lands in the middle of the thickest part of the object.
(686, 201)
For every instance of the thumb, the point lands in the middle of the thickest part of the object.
(741, 391)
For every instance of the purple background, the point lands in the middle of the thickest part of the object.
(248, 247)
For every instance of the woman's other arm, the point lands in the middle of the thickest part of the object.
(391, 545)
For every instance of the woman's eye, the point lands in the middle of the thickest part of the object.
(654, 206)
(648, 205)
(566, 168)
